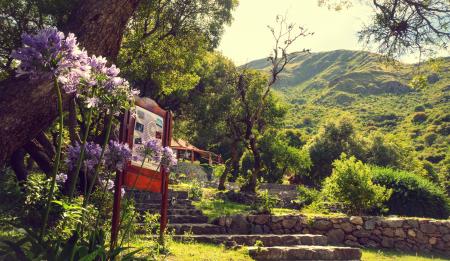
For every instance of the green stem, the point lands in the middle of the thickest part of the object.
(57, 159)
(80, 158)
(97, 167)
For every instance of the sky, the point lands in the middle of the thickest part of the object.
(248, 37)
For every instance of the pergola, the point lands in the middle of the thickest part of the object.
(187, 151)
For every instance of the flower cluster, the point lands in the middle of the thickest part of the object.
(117, 155)
(109, 183)
(91, 156)
(49, 53)
(168, 158)
(61, 178)
(151, 150)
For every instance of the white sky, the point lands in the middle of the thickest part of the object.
(248, 38)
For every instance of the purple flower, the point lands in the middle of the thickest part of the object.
(117, 155)
(168, 158)
(61, 178)
(151, 150)
(92, 102)
(50, 54)
(108, 183)
(98, 63)
(91, 156)
(39, 52)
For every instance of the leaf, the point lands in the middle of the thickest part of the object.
(93, 255)
(17, 250)
(69, 249)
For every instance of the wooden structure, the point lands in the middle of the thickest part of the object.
(187, 151)
(143, 176)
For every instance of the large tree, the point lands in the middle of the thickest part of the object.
(27, 108)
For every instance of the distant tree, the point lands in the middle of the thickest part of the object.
(333, 139)
(280, 158)
(284, 35)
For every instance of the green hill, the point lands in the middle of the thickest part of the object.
(380, 96)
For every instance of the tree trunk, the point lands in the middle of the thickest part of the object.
(250, 186)
(27, 108)
(38, 154)
(18, 165)
(234, 161)
(223, 177)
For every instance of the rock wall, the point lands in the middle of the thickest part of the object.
(407, 234)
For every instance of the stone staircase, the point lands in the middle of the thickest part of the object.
(184, 218)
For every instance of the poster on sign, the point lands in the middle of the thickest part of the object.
(148, 126)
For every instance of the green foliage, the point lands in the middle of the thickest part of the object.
(351, 186)
(333, 139)
(195, 190)
(419, 117)
(412, 195)
(306, 196)
(280, 158)
(265, 202)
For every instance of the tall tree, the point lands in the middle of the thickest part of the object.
(27, 108)
(251, 83)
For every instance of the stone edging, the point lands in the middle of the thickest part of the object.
(406, 234)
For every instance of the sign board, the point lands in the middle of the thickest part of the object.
(149, 123)
(147, 126)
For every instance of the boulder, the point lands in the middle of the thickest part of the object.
(322, 224)
(370, 224)
(411, 233)
(336, 236)
(347, 227)
(356, 220)
(427, 228)
(239, 225)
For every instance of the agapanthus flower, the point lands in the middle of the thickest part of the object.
(117, 155)
(109, 183)
(61, 178)
(151, 150)
(92, 102)
(39, 54)
(49, 53)
(168, 158)
(91, 156)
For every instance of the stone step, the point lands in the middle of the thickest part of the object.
(184, 211)
(196, 229)
(304, 253)
(177, 219)
(155, 196)
(157, 207)
(268, 240)
(171, 202)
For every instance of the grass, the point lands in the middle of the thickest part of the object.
(385, 255)
(214, 208)
(191, 251)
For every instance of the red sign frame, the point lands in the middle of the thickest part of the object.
(156, 182)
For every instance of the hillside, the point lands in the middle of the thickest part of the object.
(380, 97)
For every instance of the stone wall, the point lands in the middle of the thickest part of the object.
(407, 234)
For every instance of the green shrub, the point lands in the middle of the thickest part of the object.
(419, 117)
(351, 186)
(306, 195)
(195, 191)
(265, 202)
(412, 195)
(430, 138)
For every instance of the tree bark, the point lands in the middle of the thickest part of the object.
(38, 154)
(224, 175)
(250, 186)
(18, 165)
(27, 108)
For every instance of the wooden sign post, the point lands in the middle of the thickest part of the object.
(151, 122)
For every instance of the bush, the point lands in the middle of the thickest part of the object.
(430, 138)
(419, 117)
(306, 196)
(195, 191)
(412, 195)
(351, 186)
